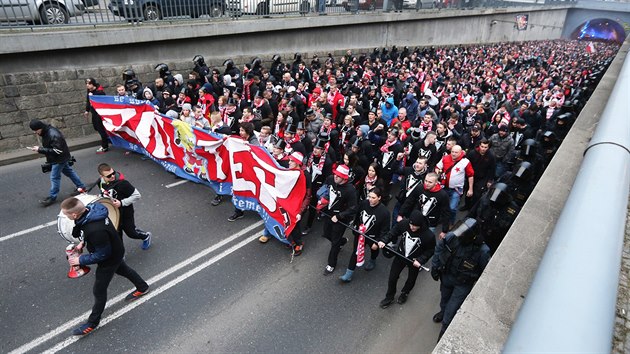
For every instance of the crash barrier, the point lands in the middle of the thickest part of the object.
(20, 13)
(570, 305)
(486, 318)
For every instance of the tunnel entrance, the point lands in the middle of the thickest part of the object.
(600, 29)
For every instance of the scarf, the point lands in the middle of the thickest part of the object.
(226, 111)
(370, 180)
(385, 147)
(426, 126)
(361, 246)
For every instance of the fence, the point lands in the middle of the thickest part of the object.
(28, 13)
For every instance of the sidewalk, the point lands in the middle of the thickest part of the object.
(20, 155)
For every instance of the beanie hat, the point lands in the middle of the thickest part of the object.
(36, 124)
(187, 106)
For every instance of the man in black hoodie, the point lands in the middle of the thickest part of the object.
(94, 89)
(412, 239)
(106, 249)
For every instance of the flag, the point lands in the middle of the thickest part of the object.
(229, 165)
(590, 47)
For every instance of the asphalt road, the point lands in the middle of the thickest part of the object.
(215, 288)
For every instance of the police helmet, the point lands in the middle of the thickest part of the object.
(256, 62)
(276, 58)
(499, 194)
(199, 60)
(162, 69)
(523, 171)
(228, 63)
(128, 75)
(528, 150)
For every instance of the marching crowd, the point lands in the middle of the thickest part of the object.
(395, 143)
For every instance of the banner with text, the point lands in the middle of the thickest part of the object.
(229, 165)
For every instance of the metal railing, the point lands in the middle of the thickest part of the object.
(21, 13)
(570, 306)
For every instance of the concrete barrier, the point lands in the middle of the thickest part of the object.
(483, 323)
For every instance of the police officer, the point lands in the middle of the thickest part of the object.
(495, 212)
(412, 239)
(459, 260)
(58, 157)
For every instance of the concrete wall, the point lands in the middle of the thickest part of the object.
(42, 72)
(483, 323)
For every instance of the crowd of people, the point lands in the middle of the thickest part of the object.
(396, 143)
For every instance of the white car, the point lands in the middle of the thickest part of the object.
(269, 7)
(49, 12)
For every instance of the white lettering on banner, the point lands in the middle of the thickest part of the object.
(272, 182)
(211, 147)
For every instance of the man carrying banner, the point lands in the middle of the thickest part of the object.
(340, 205)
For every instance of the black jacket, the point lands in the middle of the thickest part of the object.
(432, 204)
(54, 145)
(102, 241)
(376, 219)
(418, 245)
(342, 200)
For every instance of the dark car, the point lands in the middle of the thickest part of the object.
(365, 5)
(153, 10)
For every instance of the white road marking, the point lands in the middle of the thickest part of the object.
(176, 184)
(76, 321)
(23, 232)
(63, 344)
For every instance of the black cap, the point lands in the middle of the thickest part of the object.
(503, 128)
(417, 219)
(36, 124)
(291, 129)
(280, 144)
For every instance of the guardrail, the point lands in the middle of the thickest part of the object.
(25, 13)
(570, 306)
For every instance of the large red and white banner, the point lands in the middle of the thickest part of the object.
(230, 165)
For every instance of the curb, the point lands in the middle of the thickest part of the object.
(22, 155)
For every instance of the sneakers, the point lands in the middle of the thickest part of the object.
(386, 302)
(47, 202)
(263, 239)
(402, 298)
(437, 318)
(237, 215)
(146, 243)
(306, 231)
(297, 250)
(346, 278)
(328, 270)
(136, 294)
(102, 150)
(84, 329)
(217, 200)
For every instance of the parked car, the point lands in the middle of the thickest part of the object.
(153, 10)
(365, 5)
(49, 12)
(425, 4)
(269, 7)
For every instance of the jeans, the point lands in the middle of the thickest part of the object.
(454, 195)
(321, 6)
(501, 168)
(55, 177)
(395, 213)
